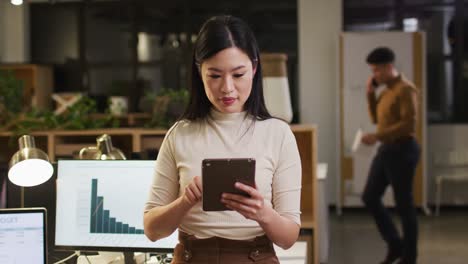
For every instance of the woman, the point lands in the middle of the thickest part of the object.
(226, 118)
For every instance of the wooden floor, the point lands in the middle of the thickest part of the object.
(442, 240)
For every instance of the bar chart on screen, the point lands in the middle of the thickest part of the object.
(101, 221)
(101, 204)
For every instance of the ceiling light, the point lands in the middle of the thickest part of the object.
(17, 2)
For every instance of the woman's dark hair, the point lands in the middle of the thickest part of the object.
(219, 33)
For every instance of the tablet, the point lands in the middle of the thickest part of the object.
(220, 175)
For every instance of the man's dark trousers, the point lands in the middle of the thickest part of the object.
(395, 165)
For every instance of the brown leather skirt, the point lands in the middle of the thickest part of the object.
(226, 251)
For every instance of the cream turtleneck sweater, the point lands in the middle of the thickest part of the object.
(236, 135)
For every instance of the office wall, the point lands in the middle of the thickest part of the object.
(2, 28)
(320, 23)
(444, 138)
(14, 33)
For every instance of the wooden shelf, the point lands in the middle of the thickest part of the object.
(128, 120)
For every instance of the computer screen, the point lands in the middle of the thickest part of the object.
(100, 206)
(23, 236)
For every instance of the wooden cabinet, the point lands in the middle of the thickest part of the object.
(66, 144)
(38, 83)
(306, 138)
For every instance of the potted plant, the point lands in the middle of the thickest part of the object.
(11, 96)
(168, 106)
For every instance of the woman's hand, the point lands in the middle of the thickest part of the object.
(161, 221)
(193, 191)
(280, 230)
(252, 207)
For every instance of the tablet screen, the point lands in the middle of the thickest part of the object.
(220, 175)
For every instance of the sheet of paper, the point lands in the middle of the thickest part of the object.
(360, 148)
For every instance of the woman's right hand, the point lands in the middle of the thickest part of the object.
(161, 221)
(193, 191)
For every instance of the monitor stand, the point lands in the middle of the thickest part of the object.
(129, 258)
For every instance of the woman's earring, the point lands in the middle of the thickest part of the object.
(254, 65)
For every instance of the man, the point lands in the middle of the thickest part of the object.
(394, 112)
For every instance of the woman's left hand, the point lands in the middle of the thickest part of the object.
(252, 207)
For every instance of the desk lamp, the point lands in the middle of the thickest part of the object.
(29, 166)
(104, 150)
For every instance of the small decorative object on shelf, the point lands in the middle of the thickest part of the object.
(65, 100)
(119, 97)
(104, 150)
(118, 105)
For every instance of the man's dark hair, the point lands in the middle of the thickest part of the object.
(381, 55)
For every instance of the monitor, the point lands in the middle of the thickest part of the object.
(23, 236)
(100, 206)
